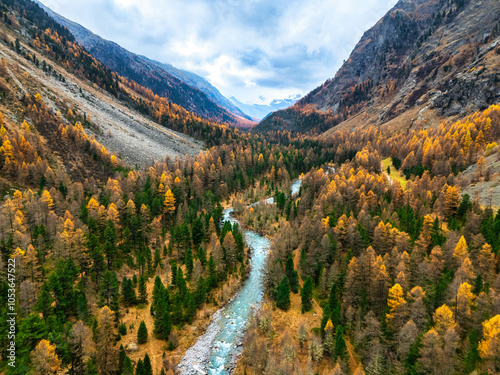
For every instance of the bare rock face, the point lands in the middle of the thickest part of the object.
(418, 48)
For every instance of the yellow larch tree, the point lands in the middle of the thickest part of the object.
(33, 267)
(130, 207)
(161, 189)
(113, 214)
(489, 346)
(44, 360)
(325, 222)
(169, 202)
(47, 200)
(93, 207)
(461, 250)
(451, 201)
(397, 306)
(443, 319)
(6, 149)
(25, 126)
(486, 262)
(114, 161)
(67, 237)
(467, 140)
(106, 353)
(465, 300)
(480, 141)
(487, 128)
(102, 214)
(466, 271)
(18, 196)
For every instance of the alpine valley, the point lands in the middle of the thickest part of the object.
(151, 226)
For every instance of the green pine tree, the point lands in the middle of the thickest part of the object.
(191, 307)
(283, 294)
(162, 317)
(340, 346)
(198, 232)
(148, 369)
(333, 299)
(128, 292)
(306, 294)
(157, 259)
(326, 316)
(181, 282)
(177, 310)
(109, 290)
(173, 265)
(188, 260)
(110, 243)
(142, 333)
(121, 359)
(212, 273)
(92, 368)
(140, 370)
(128, 367)
(201, 255)
(201, 291)
(143, 292)
(166, 325)
(45, 300)
(158, 290)
(293, 276)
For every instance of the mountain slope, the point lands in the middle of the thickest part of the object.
(45, 62)
(123, 131)
(423, 54)
(183, 88)
(202, 84)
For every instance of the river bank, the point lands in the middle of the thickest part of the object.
(217, 350)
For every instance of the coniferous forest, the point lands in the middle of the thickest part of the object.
(385, 261)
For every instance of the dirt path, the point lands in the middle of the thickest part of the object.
(353, 364)
(388, 177)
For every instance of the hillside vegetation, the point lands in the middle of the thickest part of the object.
(405, 279)
(121, 255)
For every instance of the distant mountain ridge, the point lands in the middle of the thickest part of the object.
(181, 87)
(423, 55)
(202, 84)
(261, 111)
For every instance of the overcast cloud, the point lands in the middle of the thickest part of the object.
(247, 49)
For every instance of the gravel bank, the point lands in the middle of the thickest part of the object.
(196, 357)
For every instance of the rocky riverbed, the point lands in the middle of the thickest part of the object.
(197, 356)
(218, 349)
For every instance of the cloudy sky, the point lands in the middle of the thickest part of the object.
(250, 49)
